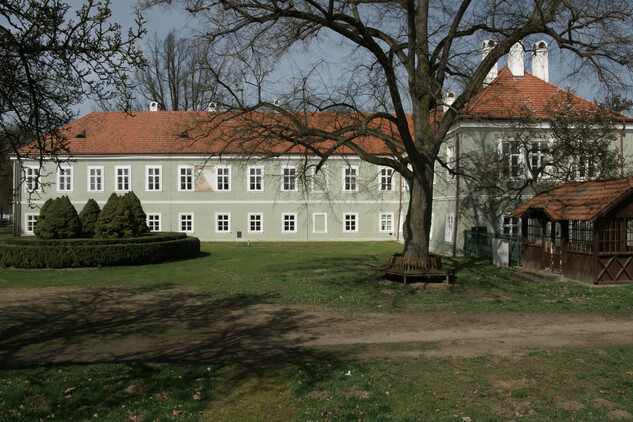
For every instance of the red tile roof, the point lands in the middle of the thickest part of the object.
(578, 200)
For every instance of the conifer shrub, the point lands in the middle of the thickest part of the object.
(58, 220)
(140, 218)
(88, 217)
(115, 220)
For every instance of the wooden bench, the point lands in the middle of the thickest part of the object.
(416, 267)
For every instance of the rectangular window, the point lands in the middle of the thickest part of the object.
(223, 178)
(185, 178)
(386, 179)
(255, 223)
(30, 220)
(122, 182)
(386, 222)
(65, 179)
(32, 179)
(350, 222)
(319, 222)
(95, 179)
(586, 168)
(153, 222)
(289, 223)
(511, 152)
(153, 174)
(185, 222)
(289, 182)
(431, 229)
(256, 179)
(223, 222)
(350, 179)
(450, 161)
(449, 228)
(511, 226)
(538, 159)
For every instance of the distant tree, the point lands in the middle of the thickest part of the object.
(52, 61)
(89, 216)
(115, 220)
(140, 218)
(577, 144)
(178, 75)
(58, 220)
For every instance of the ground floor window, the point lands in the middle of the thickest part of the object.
(31, 220)
(350, 222)
(511, 226)
(386, 222)
(580, 236)
(319, 222)
(289, 223)
(153, 222)
(449, 226)
(535, 232)
(185, 222)
(223, 222)
(255, 223)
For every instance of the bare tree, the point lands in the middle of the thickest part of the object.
(177, 76)
(577, 143)
(53, 58)
(402, 55)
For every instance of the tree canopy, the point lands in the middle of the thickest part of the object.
(402, 56)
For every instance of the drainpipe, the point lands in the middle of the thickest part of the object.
(622, 149)
(17, 199)
(456, 222)
(399, 211)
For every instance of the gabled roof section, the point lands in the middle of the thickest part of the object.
(503, 98)
(578, 200)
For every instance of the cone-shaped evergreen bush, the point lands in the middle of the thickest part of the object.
(115, 219)
(58, 220)
(88, 217)
(140, 218)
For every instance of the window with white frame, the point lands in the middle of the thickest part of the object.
(223, 178)
(386, 179)
(153, 222)
(289, 181)
(222, 222)
(319, 222)
(65, 179)
(350, 179)
(153, 178)
(32, 179)
(185, 222)
(386, 222)
(185, 178)
(289, 223)
(449, 226)
(95, 179)
(31, 221)
(538, 158)
(431, 229)
(319, 180)
(510, 225)
(586, 168)
(350, 222)
(122, 181)
(450, 161)
(255, 179)
(511, 152)
(255, 223)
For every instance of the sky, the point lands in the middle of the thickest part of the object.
(160, 21)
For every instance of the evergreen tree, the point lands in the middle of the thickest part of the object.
(140, 218)
(115, 219)
(88, 216)
(58, 220)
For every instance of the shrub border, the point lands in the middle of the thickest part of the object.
(31, 252)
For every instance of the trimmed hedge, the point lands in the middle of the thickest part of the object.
(75, 253)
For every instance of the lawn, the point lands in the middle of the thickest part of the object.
(317, 384)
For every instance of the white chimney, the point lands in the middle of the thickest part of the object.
(212, 106)
(540, 62)
(153, 106)
(515, 60)
(277, 103)
(447, 101)
(487, 47)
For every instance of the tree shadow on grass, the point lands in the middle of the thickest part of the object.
(151, 324)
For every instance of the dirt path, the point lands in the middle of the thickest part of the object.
(106, 324)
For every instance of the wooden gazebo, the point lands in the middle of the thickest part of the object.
(582, 230)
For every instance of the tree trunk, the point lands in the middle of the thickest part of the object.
(418, 220)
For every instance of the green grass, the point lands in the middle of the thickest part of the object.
(338, 275)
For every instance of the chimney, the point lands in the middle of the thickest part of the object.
(153, 106)
(212, 106)
(487, 47)
(540, 63)
(447, 101)
(515, 60)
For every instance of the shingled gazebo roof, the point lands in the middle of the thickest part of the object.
(578, 200)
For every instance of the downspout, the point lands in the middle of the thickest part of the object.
(456, 221)
(622, 149)
(17, 199)
(399, 211)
